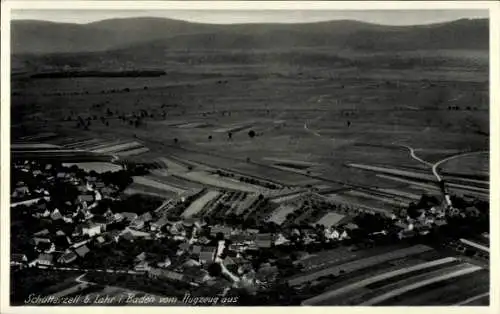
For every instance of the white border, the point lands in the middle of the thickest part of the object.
(494, 8)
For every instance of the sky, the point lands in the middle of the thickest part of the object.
(387, 17)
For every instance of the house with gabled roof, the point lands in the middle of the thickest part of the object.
(67, 258)
(207, 254)
(44, 259)
(226, 231)
(82, 250)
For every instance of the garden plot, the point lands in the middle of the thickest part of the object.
(246, 203)
(330, 219)
(200, 203)
(279, 215)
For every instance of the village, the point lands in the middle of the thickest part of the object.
(66, 219)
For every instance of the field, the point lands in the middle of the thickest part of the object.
(421, 277)
(309, 121)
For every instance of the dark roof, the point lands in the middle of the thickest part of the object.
(82, 250)
(128, 236)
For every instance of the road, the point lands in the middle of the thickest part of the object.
(414, 156)
(437, 164)
(80, 280)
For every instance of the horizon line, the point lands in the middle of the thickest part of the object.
(251, 23)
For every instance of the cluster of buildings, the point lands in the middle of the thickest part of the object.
(216, 256)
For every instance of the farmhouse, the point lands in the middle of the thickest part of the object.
(93, 228)
(44, 259)
(226, 231)
(264, 240)
(82, 250)
(143, 266)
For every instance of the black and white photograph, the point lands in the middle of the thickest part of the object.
(247, 157)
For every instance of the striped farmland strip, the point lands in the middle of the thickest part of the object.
(359, 264)
(83, 143)
(155, 184)
(475, 245)
(402, 194)
(384, 199)
(104, 144)
(118, 147)
(423, 283)
(410, 181)
(133, 152)
(393, 171)
(330, 294)
(200, 203)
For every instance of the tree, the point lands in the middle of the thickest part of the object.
(210, 137)
(176, 140)
(230, 135)
(251, 133)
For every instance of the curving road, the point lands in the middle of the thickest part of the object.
(414, 156)
(437, 164)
